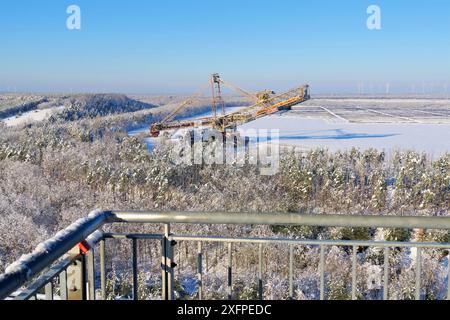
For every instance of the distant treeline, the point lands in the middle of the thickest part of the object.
(100, 105)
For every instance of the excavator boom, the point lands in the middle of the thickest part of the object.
(265, 103)
(277, 103)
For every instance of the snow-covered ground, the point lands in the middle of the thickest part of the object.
(31, 116)
(433, 139)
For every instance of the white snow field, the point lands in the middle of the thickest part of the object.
(422, 125)
(434, 139)
(31, 116)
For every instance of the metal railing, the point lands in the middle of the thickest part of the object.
(64, 267)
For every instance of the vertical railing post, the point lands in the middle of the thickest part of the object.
(102, 269)
(83, 277)
(164, 293)
(418, 272)
(76, 284)
(260, 272)
(135, 271)
(200, 271)
(90, 271)
(206, 254)
(322, 272)
(49, 290)
(386, 274)
(230, 271)
(171, 270)
(167, 265)
(448, 275)
(291, 272)
(63, 285)
(180, 260)
(354, 264)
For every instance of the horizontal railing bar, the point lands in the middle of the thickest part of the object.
(354, 221)
(132, 236)
(315, 242)
(44, 279)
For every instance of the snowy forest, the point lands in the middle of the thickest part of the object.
(56, 171)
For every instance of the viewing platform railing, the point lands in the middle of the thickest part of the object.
(64, 267)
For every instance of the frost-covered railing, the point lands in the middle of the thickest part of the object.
(64, 267)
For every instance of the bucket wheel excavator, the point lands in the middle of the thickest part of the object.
(264, 103)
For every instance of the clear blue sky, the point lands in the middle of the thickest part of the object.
(149, 46)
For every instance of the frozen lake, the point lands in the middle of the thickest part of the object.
(434, 139)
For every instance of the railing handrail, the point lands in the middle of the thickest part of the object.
(282, 219)
(53, 249)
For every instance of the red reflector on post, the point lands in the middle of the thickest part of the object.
(84, 247)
